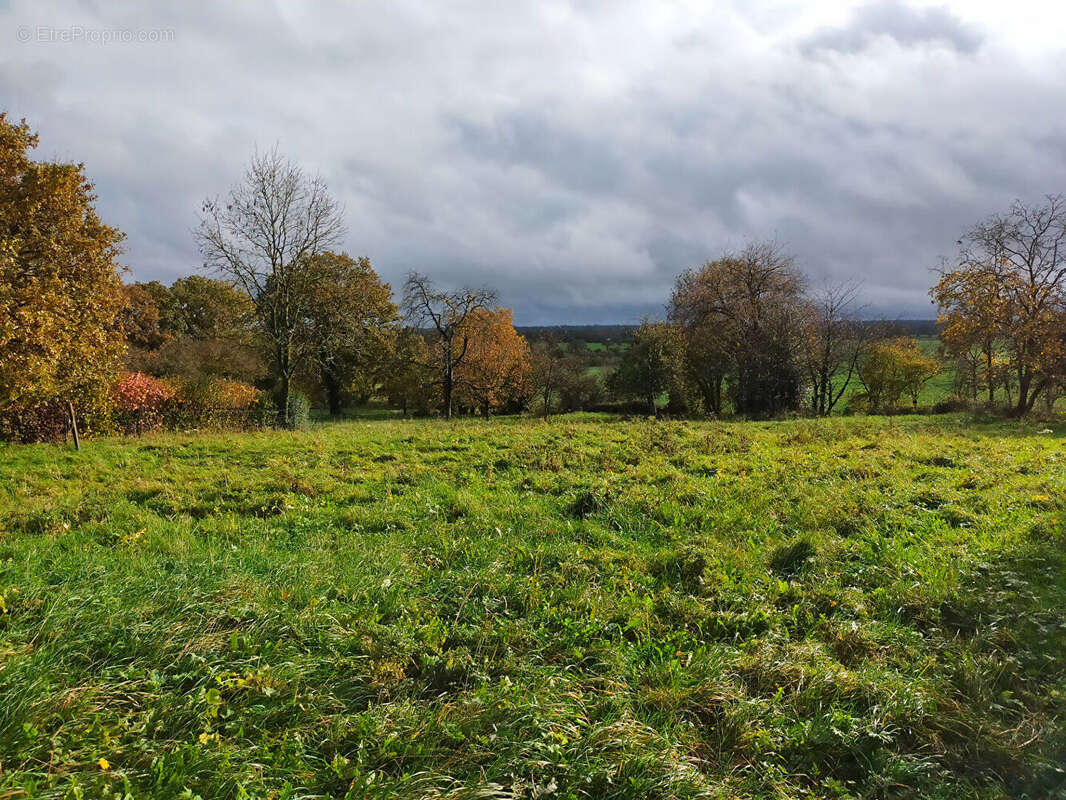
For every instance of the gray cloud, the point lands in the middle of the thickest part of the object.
(902, 23)
(576, 155)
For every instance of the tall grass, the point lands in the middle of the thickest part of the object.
(851, 607)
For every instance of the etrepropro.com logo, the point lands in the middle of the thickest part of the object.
(79, 34)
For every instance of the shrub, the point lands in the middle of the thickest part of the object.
(233, 395)
(580, 392)
(264, 411)
(139, 402)
(951, 405)
(39, 420)
(43, 422)
(858, 403)
(213, 403)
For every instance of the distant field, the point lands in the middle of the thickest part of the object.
(578, 609)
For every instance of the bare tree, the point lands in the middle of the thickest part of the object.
(548, 357)
(444, 315)
(831, 345)
(261, 238)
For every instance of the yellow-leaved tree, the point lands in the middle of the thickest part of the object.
(61, 297)
(892, 368)
(1006, 297)
(497, 366)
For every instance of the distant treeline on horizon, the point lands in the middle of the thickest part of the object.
(624, 333)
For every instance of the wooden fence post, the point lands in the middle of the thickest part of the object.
(74, 425)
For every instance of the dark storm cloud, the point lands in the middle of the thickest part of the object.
(575, 155)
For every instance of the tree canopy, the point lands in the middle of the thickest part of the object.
(61, 297)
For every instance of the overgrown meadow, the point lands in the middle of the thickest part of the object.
(581, 608)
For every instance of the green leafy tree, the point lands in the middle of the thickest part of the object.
(650, 365)
(351, 322)
(408, 382)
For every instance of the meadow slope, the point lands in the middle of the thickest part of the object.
(580, 608)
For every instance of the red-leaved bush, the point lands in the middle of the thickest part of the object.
(138, 402)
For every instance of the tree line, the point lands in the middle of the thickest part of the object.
(745, 335)
(280, 314)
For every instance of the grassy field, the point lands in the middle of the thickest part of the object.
(577, 609)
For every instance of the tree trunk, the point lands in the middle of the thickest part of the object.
(651, 405)
(448, 392)
(1024, 380)
(334, 396)
(712, 394)
(284, 392)
(991, 379)
(485, 409)
(283, 365)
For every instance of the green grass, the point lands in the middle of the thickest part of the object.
(577, 609)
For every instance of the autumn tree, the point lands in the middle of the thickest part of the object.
(263, 238)
(443, 315)
(350, 322)
(741, 319)
(1009, 285)
(918, 370)
(198, 328)
(973, 312)
(892, 368)
(141, 318)
(409, 380)
(61, 297)
(495, 370)
(650, 365)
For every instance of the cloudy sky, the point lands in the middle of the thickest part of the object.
(575, 155)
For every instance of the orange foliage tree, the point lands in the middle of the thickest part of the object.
(61, 297)
(973, 311)
(497, 366)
